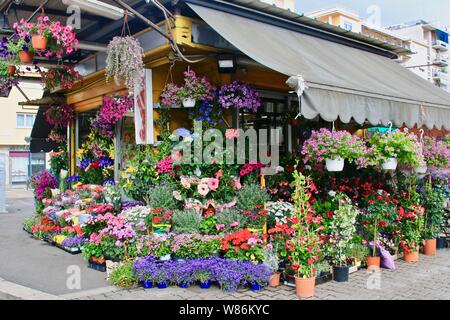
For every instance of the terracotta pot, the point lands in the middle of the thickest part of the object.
(12, 70)
(373, 263)
(411, 256)
(429, 247)
(26, 56)
(39, 42)
(275, 280)
(305, 288)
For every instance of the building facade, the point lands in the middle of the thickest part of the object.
(430, 45)
(16, 123)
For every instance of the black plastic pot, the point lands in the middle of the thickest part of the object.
(340, 274)
(441, 243)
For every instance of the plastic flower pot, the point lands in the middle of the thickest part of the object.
(429, 247)
(39, 42)
(340, 274)
(441, 243)
(390, 164)
(305, 287)
(205, 285)
(411, 256)
(189, 103)
(26, 56)
(373, 263)
(335, 165)
(275, 280)
(255, 287)
(162, 285)
(421, 170)
(183, 285)
(12, 70)
(147, 284)
(161, 228)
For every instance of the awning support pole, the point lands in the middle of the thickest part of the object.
(23, 93)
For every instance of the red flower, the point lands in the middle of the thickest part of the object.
(295, 267)
(310, 261)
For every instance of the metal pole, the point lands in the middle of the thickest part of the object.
(140, 16)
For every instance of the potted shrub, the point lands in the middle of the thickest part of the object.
(334, 148)
(432, 200)
(342, 230)
(305, 244)
(195, 89)
(124, 62)
(272, 263)
(411, 219)
(378, 208)
(396, 148)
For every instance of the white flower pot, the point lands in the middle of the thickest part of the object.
(335, 165)
(390, 164)
(421, 170)
(189, 103)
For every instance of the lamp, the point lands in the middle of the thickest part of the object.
(227, 63)
(98, 7)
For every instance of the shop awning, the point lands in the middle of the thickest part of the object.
(39, 134)
(344, 82)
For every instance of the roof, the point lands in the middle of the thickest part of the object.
(260, 10)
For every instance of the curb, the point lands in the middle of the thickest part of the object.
(13, 291)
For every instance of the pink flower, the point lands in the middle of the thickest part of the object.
(220, 227)
(203, 189)
(234, 224)
(177, 195)
(232, 134)
(237, 184)
(219, 174)
(252, 241)
(185, 183)
(213, 184)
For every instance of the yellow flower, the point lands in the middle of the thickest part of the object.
(131, 169)
(252, 257)
(81, 152)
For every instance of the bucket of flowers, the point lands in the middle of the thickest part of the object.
(334, 147)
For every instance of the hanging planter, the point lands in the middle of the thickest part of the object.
(390, 164)
(124, 60)
(335, 165)
(26, 56)
(189, 102)
(12, 70)
(39, 42)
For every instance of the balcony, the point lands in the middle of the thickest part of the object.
(441, 77)
(441, 61)
(440, 45)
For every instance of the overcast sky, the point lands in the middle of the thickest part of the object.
(391, 11)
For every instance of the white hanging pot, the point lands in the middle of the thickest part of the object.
(390, 164)
(189, 103)
(335, 165)
(421, 170)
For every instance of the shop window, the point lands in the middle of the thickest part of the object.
(25, 120)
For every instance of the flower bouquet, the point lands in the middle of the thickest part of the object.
(334, 148)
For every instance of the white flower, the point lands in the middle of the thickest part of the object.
(332, 193)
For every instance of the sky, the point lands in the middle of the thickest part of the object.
(390, 11)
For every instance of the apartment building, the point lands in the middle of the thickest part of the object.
(430, 46)
(285, 4)
(16, 123)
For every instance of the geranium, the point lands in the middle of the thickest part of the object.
(325, 144)
(250, 167)
(243, 245)
(239, 96)
(436, 153)
(411, 223)
(60, 116)
(63, 77)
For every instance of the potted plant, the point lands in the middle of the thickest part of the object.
(40, 33)
(8, 57)
(305, 244)
(60, 116)
(256, 276)
(240, 96)
(23, 48)
(202, 273)
(436, 154)
(334, 148)
(342, 230)
(146, 271)
(411, 219)
(195, 89)
(6, 84)
(432, 200)
(60, 78)
(170, 96)
(272, 263)
(124, 61)
(396, 148)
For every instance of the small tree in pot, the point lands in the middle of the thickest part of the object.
(342, 231)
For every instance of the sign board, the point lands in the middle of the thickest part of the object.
(143, 111)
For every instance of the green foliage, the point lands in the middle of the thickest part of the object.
(123, 276)
(208, 225)
(358, 252)
(433, 200)
(186, 221)
(29, 222)
(161, 196)
(58, 162)
(251, 197)
(92, 249)
(228, 217)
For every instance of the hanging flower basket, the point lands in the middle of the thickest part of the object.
(39, 42)
(390, 164)
(335, 165)
(189, 103)
(60, 116)
(26, 56)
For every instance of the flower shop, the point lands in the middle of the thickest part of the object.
(363, 176)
